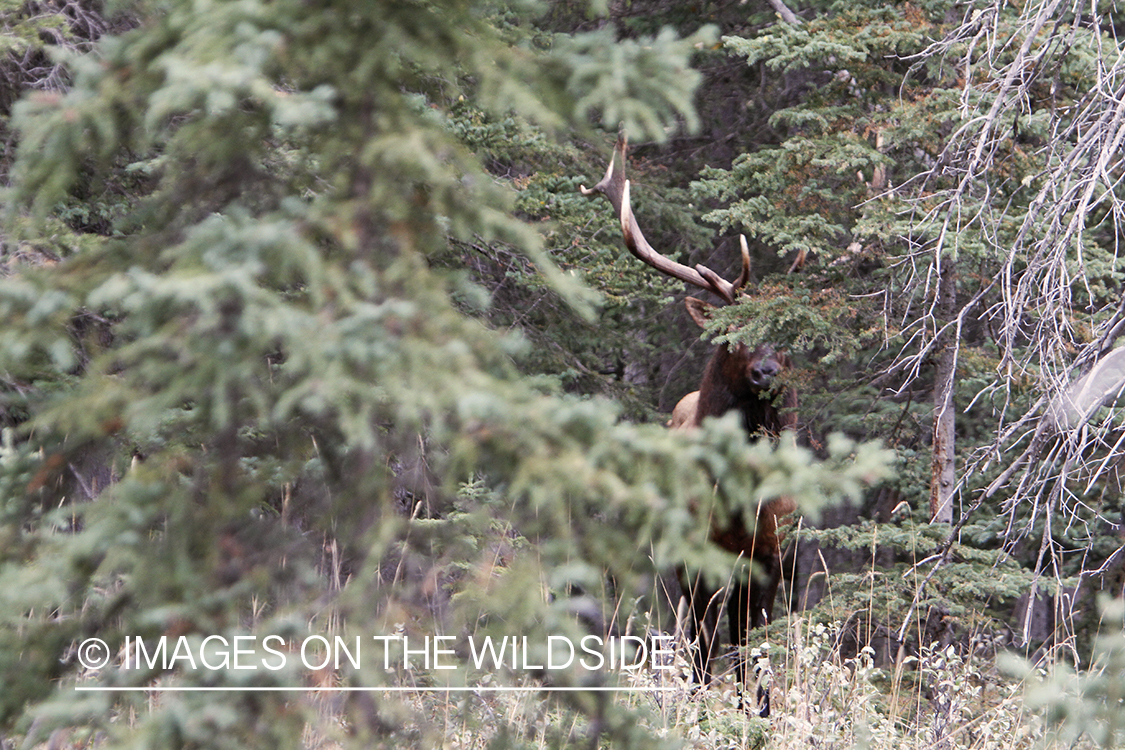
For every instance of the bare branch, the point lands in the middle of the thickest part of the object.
(786, 15)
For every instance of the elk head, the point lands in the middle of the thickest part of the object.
(748, 370)
(738, 376)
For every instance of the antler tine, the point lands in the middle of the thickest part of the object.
(615, 187)
(610, 185)
(744, 276)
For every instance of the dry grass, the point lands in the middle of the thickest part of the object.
(939, 699)
(821, 699)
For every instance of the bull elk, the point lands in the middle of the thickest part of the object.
(738, 378)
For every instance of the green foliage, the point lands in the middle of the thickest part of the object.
(903, 587)
(264, 399)
(797, 318)
(643, 71)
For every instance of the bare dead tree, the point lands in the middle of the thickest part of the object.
(1072, 436)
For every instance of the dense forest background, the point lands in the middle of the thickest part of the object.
(308, 329)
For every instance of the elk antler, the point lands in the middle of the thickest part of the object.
(615, 187)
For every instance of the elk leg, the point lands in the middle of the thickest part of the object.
(745, 599)
(705, 606)
(761, 591)
(739, 615)
(765, 577)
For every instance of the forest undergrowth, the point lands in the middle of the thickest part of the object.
(829, 688)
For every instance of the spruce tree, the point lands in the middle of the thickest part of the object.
(263, 401)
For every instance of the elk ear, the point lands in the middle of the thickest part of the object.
(699, 310)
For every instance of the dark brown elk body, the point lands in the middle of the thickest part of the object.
(744, 380)
(737, 378)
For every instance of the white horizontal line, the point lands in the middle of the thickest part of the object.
(397, 689)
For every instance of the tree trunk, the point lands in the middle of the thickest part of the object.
(943, 477)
